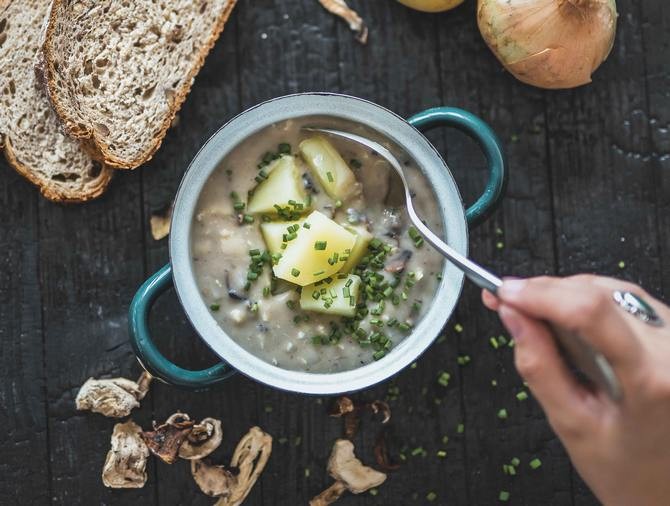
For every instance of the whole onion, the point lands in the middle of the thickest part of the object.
(549, 43)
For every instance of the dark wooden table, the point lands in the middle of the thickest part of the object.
(589, 188)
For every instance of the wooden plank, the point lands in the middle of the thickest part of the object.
(473, 79)
(90, 265)
(399, 69)
(655, 23)
(603, 176)
(212, 101)
(24, 467)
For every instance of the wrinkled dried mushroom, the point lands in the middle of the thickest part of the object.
(204, 438)
(166, 439)
(342, 10)
(160, 222)
(382, 454)
(125, 465)
(233, 483)
(114, 397)
(349, 410)
(349, 474)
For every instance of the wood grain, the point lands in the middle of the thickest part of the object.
(588, 167)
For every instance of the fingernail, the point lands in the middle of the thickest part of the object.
(511, 320)
(511, 288)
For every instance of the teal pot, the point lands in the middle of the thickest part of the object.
(406, 134)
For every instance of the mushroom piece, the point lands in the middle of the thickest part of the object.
(114, 397)
(125, 465)
(215, 481)
(398, 263)
(382, 454)
(356, 23)
(349, 474)
(233, 483)
(166, 439)
(204, 438)
(160, 222)
(349, 410)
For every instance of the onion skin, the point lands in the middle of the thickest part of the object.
(550, 44)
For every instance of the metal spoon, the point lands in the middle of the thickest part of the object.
(589, 362)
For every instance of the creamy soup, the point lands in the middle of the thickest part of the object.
(303, 252)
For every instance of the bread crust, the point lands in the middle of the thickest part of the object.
(56, 194)
(89, 139)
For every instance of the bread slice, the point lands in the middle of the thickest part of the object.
(117, 71)
(33, 141)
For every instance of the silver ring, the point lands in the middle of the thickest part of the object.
(638, 307)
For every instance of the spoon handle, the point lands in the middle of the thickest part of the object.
(475, 272)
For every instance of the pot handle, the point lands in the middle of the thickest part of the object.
(153, 361)
(487, 140)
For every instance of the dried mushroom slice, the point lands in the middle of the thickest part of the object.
(355, 22)
(233, 483)
(205, 437)
(215, 481)
(160, 222)
(349, 474)
(250, 457)
(330, 495)
(115, 397)
(125, 465)
(349, 410)
(166, 439)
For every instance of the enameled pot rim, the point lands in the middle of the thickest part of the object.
(398, 131)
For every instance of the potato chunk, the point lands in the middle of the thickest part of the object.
(274, 232)
(329, 167)
(319, 250)
(283, 187)
(337, 297)
(363, 238)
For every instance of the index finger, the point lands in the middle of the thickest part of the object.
(579, 305)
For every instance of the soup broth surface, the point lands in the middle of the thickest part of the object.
(263, 315)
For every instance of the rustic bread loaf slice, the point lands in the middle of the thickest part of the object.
(117, 71)
(33, 141)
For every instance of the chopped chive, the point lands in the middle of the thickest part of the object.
(316, 295)
(404, 326)
(320, 245)
(502, 414)
(494, 383)
(254, 252)
(319, 273)
(503, 496)
(458, 328)
(522, 396)
(460, 428)
(338, 203)
(431, 496)
(494, 343)
(379, 354)
(622, 264)
(535, 463)
(373, 491)
(295, 272)
(290, 304)
(329, 175)
(252, 276)
(441, 454)
(238, 206)
(214, 307)
(443, 379)
(306, 225)
(284, 148)
(500, 245)
(248, 218)
(515, 462)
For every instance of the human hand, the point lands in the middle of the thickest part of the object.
(621, 450)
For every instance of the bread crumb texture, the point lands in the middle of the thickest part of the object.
(117, 71)
(34, 144)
